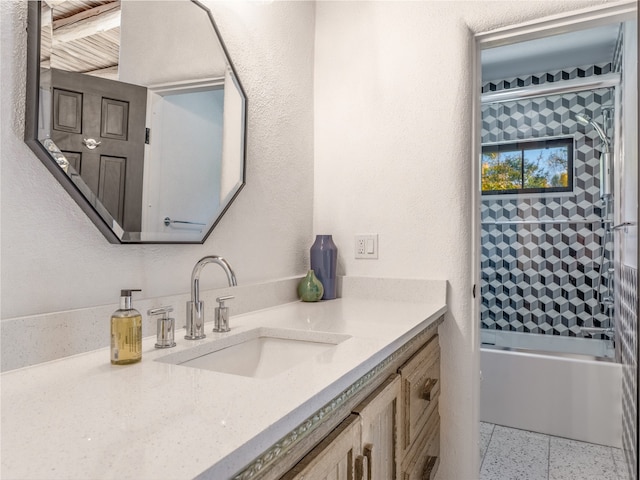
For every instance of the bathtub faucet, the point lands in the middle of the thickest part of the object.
(591, 331)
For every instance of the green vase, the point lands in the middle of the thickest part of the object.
(310, 288)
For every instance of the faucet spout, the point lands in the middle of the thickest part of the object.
(195, 308)
(195, 275)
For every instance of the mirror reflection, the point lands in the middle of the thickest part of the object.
(140, 107)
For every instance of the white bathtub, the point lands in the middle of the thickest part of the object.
(573, 396)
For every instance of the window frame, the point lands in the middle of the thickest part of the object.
(522, 146)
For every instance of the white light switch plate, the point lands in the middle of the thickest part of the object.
(366, 246)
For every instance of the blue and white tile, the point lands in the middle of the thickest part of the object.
(573, 460)
(516, 455)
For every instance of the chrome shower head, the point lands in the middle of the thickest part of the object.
(584, 119)
(605, 155)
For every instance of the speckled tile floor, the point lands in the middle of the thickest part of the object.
(511, 454)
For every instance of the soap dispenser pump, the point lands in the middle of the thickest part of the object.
(126, 332)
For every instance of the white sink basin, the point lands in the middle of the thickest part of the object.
(259, 353)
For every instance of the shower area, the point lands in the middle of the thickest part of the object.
(547, 257)
(558, 290)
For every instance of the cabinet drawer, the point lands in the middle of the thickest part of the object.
(334, 457)
(420, 390)
(424, 457)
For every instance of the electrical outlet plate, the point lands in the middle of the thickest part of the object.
(366, 246)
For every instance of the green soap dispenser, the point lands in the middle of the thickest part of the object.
(126, 332)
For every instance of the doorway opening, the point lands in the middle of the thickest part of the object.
(556, 241)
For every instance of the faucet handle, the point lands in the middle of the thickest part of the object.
(221, 318)
(221, 300)
(165, 333)
(160, 310)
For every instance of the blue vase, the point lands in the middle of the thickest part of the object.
(324, 262)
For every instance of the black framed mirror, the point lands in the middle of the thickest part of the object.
(136, 109)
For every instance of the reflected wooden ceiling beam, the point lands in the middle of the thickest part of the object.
(109, 72)
(54, 3)
(46, 18)
(86, 23)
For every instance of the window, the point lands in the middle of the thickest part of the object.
(528, 167)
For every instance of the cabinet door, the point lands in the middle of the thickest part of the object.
(420, 390)
(379, 417)
(334, 458)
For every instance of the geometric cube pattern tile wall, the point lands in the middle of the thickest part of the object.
(627, 328)
(544, 277)
(549, 77)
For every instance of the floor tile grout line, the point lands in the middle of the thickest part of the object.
(615, 465)
(549, 458)
(493, 429)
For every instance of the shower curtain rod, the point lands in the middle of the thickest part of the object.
(555, 88)
(537, 222)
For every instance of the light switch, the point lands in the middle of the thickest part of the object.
(370, 250)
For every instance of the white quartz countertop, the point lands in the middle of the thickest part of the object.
(82, 418)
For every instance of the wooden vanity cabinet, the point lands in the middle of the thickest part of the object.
(390, 431)
(420, 419)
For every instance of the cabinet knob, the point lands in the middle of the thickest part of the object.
(429, 467)
(362, 465)
(367, 450)
(428, 389)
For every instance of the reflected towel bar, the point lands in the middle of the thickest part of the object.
(168, 221)
(624, 225)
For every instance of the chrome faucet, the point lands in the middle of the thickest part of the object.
(591, 331)
(195, 307)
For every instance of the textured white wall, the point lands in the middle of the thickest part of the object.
(53, 258)
(393, 100)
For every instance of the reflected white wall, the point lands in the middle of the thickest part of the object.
(185, 159)
(233, 137)
(149, 34)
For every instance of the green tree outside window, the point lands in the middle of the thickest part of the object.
(532, 166)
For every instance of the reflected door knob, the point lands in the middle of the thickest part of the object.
(90, 143)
